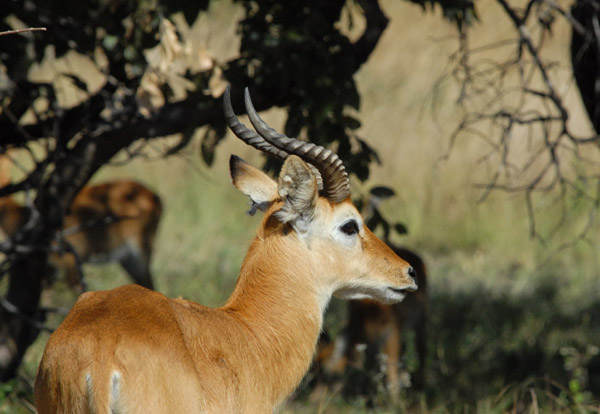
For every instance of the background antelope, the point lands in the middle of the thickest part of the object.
(111, 222)
(375, 333)
(132, 350)
(374, 330)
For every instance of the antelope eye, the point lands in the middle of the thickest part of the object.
(350, 227)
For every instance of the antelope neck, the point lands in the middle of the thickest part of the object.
(276, 297)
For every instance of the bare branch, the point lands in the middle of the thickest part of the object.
(514, 106)
(21, 31)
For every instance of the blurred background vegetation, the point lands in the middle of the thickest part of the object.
(513, 292)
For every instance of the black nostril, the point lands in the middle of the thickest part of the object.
(412, 272)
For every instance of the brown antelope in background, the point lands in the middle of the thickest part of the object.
(373, 330)
(132, 350)
(111, 222)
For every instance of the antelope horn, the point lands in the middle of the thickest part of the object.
(245, 134)
(253, 139)
(336, 185)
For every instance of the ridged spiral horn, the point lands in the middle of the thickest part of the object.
(244, 133)
(253, 139)
(336, 185)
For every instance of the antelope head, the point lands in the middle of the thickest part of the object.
(310, 208)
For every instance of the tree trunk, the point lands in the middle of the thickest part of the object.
(20, 316)
(585, 56)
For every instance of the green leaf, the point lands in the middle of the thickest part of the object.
(110, 42)
(400, 228)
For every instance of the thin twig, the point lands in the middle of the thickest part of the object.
(20, 31)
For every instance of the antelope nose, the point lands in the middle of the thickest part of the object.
(413, 274)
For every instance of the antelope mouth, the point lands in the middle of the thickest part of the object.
(385, 294)
(399, 292)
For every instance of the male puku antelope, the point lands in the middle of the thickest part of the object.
(132, 350)
(115, 221)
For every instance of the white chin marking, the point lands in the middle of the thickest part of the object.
(386, 296)
(349, 294)
(394, 297)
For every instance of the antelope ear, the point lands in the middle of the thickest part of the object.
(299, 190)
(258, 186)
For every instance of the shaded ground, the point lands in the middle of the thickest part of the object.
(503, 352)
